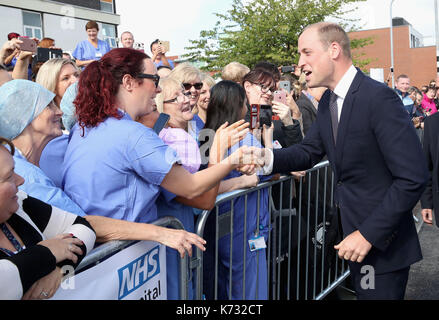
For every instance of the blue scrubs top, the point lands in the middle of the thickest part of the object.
(159, 64)
(52, 158)
(86, 51)
(115, 169)
(196, 126)
(256, 264)
(39, 186)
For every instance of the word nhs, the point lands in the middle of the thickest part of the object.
(138, 272)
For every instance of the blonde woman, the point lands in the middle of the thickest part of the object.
(57, 75)
(235, 72)
(190, 77)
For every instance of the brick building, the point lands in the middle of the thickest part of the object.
(410, 56)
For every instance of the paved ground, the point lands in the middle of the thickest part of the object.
(423, 281)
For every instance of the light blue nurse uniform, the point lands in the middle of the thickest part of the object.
(256, 262)
(86, 51)
(52, 158)
(115, 169)
(38, 185)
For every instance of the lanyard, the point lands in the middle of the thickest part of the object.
(11, 238)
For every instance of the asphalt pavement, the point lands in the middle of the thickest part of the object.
(423, 283)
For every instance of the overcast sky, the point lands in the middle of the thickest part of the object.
(178, 21)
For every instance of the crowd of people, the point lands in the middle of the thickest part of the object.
(80, 146)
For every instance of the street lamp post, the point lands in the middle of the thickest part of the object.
(391, 45)
(436, 23)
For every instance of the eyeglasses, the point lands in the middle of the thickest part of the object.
(197, 86)
(179, 98)
(265, 88)
(152, 77)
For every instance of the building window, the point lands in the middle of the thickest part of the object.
(32, 25)
(107, 6)
(109, 33)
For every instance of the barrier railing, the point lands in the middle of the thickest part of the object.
(297, 263)
(108, 249)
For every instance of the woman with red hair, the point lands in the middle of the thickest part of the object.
(115, 166)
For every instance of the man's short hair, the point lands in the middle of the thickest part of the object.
(402, 76)
(235, 72)
(125, 33)
(331, 32)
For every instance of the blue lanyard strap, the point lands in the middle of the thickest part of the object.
(11, 238)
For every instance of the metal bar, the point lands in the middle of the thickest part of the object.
(334, 285)
(289, 239)
(244, 245)
(308, 214)
(231, 251)
(299, 229)
(279, 249)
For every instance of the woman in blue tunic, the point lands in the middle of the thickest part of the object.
(228, 101)
(91, 49)
(174, 102)
(115, 166)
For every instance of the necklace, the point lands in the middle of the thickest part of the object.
(11, 238)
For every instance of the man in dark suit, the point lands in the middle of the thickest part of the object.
(362, 128)
(430, 198)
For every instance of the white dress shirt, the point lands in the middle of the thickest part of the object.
(341, 90)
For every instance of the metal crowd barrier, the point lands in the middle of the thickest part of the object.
(298, 264)
(106, 250)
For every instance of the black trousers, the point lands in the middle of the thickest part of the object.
(387, 286)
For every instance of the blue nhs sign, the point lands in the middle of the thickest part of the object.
(138, 272)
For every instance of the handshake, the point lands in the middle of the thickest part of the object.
(246, 159)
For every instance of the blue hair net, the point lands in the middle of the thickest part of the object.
(21, 101)
(68, 108)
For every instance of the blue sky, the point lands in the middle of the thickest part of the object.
(178, 21)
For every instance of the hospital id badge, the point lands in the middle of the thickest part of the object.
(98, 55)
(256, 244)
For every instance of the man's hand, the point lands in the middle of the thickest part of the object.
(427, 216)
(354, 247)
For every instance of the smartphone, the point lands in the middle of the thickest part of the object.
(288, 69)
(265, 115)
(286, 85)
(280, 96)
(28, 44)
(161, 122)
(165, 45)
(254, 116)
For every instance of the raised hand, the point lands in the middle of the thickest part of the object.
(227, 136)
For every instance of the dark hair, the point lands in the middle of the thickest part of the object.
(4, 142)
(259, 76)
(99, 84)
(226, 102)
(269, 67)
(92, 25)
(2, 67)
(13, 35)
(164, 67)
(153, 43)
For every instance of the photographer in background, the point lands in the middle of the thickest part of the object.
(159, 55)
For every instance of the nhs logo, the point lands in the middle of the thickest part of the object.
(138, 272)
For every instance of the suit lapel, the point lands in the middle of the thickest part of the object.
(346, 111)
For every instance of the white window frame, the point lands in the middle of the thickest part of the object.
(33, 28)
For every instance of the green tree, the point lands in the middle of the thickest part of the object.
(264, 30)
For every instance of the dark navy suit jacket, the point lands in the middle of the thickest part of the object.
(379, 167)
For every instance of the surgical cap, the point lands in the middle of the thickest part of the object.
(21, 101)
(68, 108)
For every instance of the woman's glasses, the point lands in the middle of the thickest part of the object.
(179, 98)
(197, 86)
(265, 88)
(152, 77)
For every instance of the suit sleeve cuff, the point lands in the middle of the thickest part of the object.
(269, 160)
